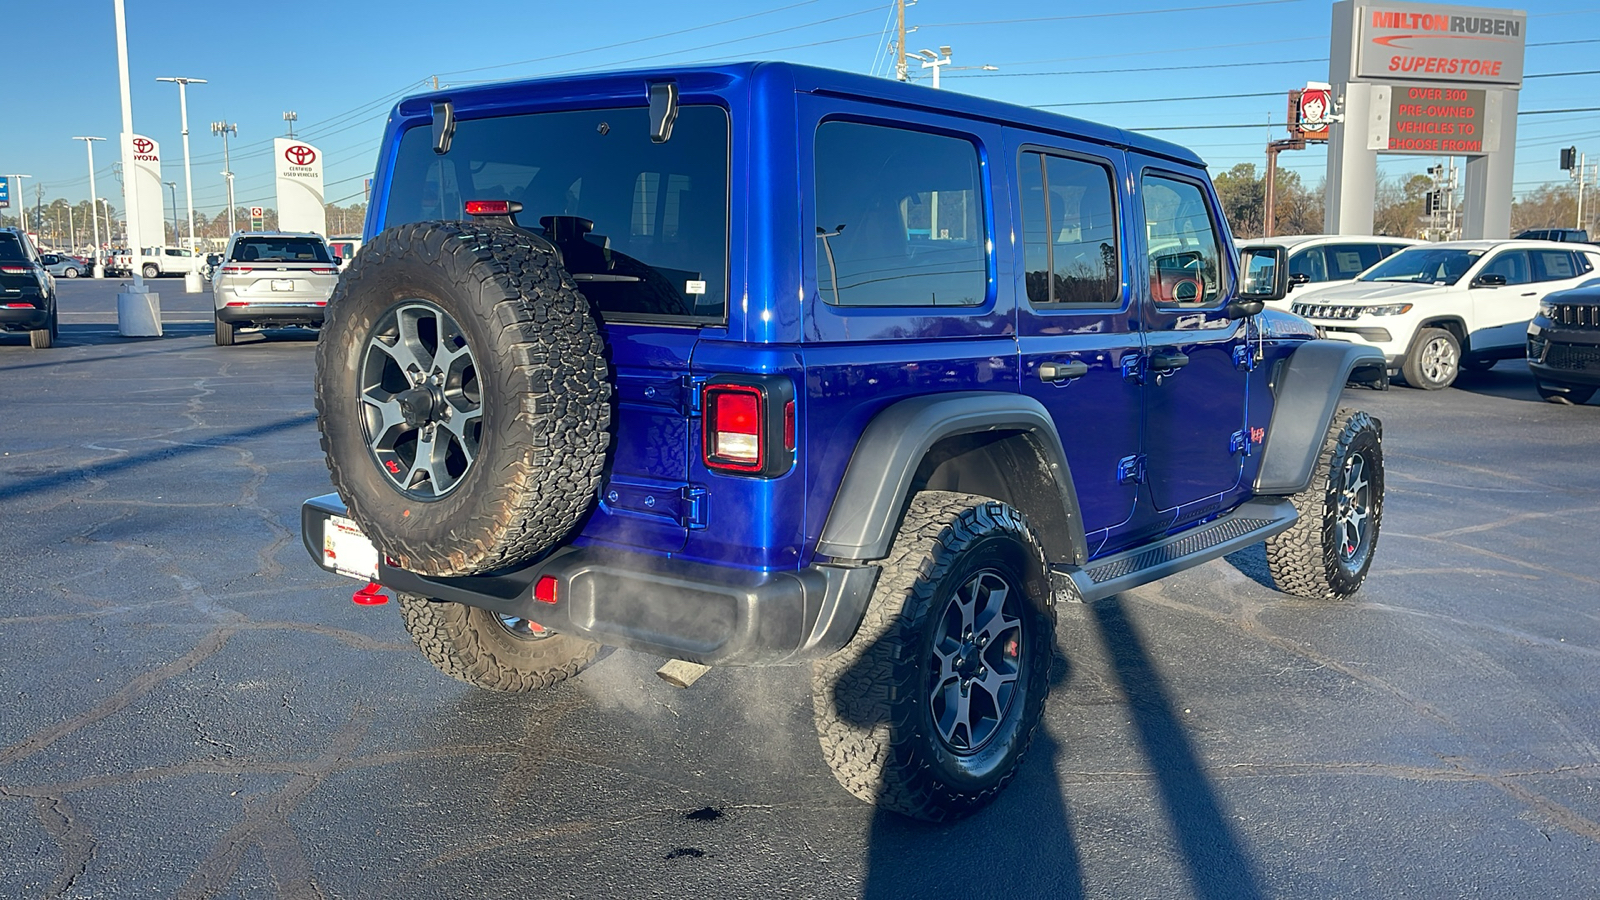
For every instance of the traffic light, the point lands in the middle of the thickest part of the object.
(1434, 202)
(1569, 158)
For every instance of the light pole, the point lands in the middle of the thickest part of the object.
(291, 117)
(172, 188)
(224, 129)
(21, 202)
(191, 280)
(94, 206)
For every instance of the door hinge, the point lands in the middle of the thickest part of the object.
(1244, 357)
(692, 512)
(1130, 469)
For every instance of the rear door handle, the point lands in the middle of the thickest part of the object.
(1052, 372)
(1166, 362)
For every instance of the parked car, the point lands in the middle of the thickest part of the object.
(1564, 344)
(158, 261)
(63, 266)
(118, 263)
(344, 248)
(1316, 260)
(272, 279)
(27, 290)
(1561, 235)
(1437, 308)
(751, 372)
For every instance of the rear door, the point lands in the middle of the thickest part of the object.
(1197, 365)
(643, 229)
(1077, 325)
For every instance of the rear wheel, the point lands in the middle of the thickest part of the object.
(151, 271)
(42, 338)
(1570, 394)
(225, 333)
(930, 707)
(490, 650)
(1434, 360)
(70, 272)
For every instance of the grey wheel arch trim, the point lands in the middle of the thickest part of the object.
(878, 482)
(1307, 395)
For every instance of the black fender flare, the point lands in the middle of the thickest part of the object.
(879, 479)
(1307, 390)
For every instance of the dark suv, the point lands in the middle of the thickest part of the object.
(761, 364)
(27, 291)
(1564, 344)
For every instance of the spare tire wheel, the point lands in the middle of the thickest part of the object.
(463, 396)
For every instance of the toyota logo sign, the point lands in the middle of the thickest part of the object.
(143, 145)
(300, 155)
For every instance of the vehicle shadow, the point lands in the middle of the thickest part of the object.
(1509, 379)
(1019, 846)
(1023, 844)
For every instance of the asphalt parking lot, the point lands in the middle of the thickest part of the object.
(190, 708)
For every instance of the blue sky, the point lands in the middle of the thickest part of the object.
(342, 66)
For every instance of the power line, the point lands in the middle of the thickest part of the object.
(1110, 15)
(1161, 99)
(1232, 65)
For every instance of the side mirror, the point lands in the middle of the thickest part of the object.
(1264, 276)
(338, 260)
(1490, 279)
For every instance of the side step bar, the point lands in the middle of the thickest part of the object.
(1251, 523)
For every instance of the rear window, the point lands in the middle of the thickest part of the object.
(642, 227)
(279, 249)
(11, 249)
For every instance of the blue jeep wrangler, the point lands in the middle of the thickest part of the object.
(761, 364)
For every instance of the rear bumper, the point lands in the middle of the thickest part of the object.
(274, 314)
(707, 614)
(28, 319)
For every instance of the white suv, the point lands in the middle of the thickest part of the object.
(272, 279)
(1434, 308)
(1318, 260)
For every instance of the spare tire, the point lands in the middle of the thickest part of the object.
(463, 396)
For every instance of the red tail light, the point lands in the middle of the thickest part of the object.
(493, 207)
(544, 590)
(237, 270)
(748, 425)
(324, 271)
(15, 270)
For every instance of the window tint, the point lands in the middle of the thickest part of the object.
(280, 249)
(1069, 231)
(642, 227)
(11, 249)
(899, 218)
(1308, 263)
(1513, 264)
(1346, 261)
(1185, 253)
(1553, 265)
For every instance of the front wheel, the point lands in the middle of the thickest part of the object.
(1328, 550)
(151, 271)
(930, 707)
(490, 650)
(1434, 360)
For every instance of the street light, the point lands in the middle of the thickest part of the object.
(291, 117)
(191, 280)
(937, 61)
(172, 188)
(94, 206)
(224, 129)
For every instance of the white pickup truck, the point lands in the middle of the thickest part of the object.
(160, 261)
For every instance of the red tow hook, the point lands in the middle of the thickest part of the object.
(371, 595)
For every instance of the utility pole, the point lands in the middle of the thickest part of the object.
(38, 209)
(21, 201)
(223, 129)
(291, 117)
(191, 279)
(94, 206)
(172, 188)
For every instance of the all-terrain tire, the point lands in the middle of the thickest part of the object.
(535, 379)
(475, 646)
(1434, 360)
(224, 333)
(883, 704)
(1329, 549)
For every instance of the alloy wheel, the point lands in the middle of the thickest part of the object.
(975, 662)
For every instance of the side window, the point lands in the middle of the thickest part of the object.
(1069, 230)
(1513, 264)
(1309, 264)
(1185, 251)
(899, 218)
(1387, 250)
(1553, 265)
(1346, 261)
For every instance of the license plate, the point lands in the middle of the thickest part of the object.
(283, 284)
(347, 551)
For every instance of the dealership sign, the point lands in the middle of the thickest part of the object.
(1436, 121)
(1428, 42)
(146, 156)
(299, 182)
